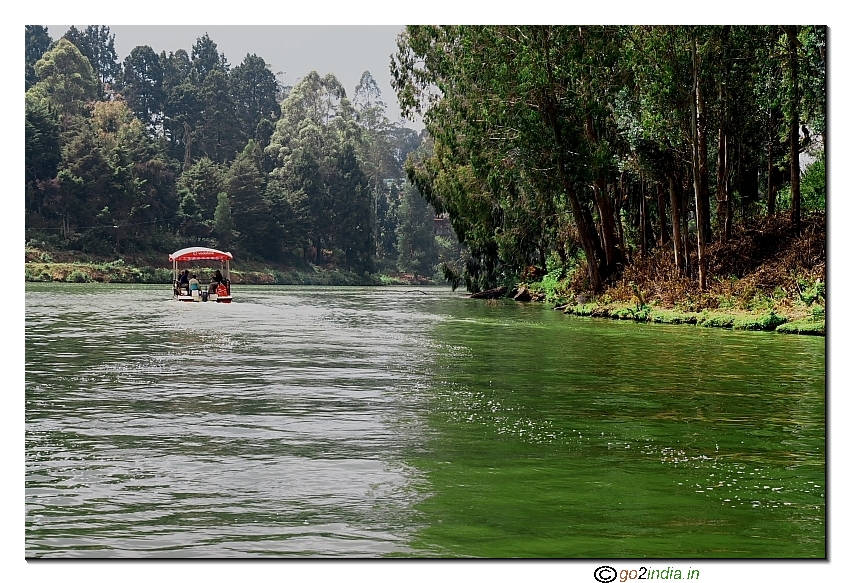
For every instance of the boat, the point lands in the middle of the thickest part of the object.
(202, 256)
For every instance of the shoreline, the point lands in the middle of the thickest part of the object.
(46, 270)
(757, 321)
(805, 321)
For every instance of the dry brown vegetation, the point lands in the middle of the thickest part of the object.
(767, 259)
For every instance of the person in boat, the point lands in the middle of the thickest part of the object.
(216, 280)
(183, 281)
(194, 284)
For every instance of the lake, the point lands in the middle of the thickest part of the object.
(410, 422)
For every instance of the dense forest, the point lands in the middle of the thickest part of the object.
(624, 160)
(163, 151)
(583, 152)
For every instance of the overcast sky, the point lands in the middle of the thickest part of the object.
(292, 51)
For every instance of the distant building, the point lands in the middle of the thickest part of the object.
(442, 225)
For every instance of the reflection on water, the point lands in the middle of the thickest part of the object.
(392, 422)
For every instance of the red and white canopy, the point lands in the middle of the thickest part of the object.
(196, 253)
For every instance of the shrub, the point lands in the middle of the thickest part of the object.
(812, 291)
(78, 276)
(813, 184)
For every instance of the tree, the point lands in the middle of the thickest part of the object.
(66, 79)
(143, 85)
(249, 209)
(254, 88)
(184, 110)
(176, 68)
(223, 219)
(794, 119)
(351, 211)
(205, 180)
(417, 247)
(42, 154)
(218, 135)
(98, 46)
(540, 122)
(291, 214)
(314, 147)
(206, 59)
(37, 42)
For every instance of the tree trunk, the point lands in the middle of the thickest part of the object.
(662, 215)
(722, 191)
(617, 208)
(187, 140)
(686, 231)
(589, 241)
(579, 213)
(795, 126)
(772, 187)
(606, 220)
(698, 164)
(676, 216)
(702, 137)
(643, 249)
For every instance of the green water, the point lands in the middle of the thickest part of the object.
(410, 422)
(560, 436)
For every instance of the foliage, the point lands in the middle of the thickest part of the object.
(98, 46)
(78, 276)
(66, 79)
(37, 41)
(417, 249)
(558, 139)
(813, 184)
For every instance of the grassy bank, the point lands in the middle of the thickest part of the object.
(770, 277)
(811, 322)
(70, 267)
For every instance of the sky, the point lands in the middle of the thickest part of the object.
(291, 51)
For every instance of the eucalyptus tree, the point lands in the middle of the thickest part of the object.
(805, 69)
(417, 247)
(314, 147)
(66, 79)
(510, 105)
(813, 55)
(668, 66)
(375, 146)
